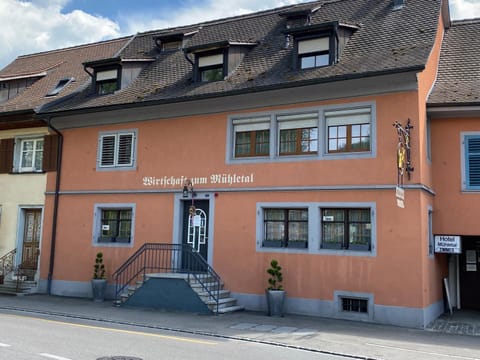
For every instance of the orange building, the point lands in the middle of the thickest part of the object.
(454, 114)
(265, 136)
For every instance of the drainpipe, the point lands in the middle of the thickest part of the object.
(55, 204)
(188, 59)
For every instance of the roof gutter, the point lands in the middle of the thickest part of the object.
(27, 76)
(55, 204)
(446, 110)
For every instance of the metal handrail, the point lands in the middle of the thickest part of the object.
(167, 258)
(7, 263)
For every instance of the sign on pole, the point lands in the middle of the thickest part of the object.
(400, 195)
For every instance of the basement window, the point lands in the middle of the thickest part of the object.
(354, 305)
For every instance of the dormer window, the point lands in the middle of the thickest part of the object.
(169, 42)
(107, 81)
(320, 44)
(171, 45)
(210, 67)
(60, 86)
(314, 52)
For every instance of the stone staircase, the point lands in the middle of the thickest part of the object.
(226, 302)
(11, 287)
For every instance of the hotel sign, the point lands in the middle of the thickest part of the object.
(449, 244)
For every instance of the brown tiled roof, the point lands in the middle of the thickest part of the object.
(458, 80)
(386, 41)
(53, 66)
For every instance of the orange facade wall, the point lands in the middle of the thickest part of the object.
(456, 211)
(318, 276)
(196, 147)
(434, 267)
(400, 248)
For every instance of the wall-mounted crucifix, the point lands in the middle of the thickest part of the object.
(404, 163)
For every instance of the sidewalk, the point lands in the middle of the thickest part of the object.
(355, 339)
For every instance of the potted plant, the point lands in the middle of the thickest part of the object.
(275, 293)
(99, 281)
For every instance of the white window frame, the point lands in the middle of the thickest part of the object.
(18, 152)
(97, 223)
(116, 165)
(278, 119)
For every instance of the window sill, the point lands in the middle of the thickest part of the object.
(113, 244)
(26, 172)
(117, 168)
(297, 244)
(272, 244)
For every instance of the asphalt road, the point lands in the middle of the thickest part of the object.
(32, 338)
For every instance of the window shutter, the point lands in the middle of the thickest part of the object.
(107, 156)
(473, 148)
(125, 142)
(106, 75)
(210, 60)
(6, 155)
(50, 152)
(313, 45)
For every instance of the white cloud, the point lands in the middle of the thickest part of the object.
(203, 11)
(39, 25)
(464, 9)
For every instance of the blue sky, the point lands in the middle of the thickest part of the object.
(31, 26)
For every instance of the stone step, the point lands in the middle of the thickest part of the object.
(210, 286)
(11, 287)
(222, 303)
(207, 279)
(221, 294)
(229, 309)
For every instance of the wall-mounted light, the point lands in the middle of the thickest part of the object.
(188, 189)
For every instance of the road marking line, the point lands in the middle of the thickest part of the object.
(168, 337)
(423, 352)
(54, 356)
(4, 345)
